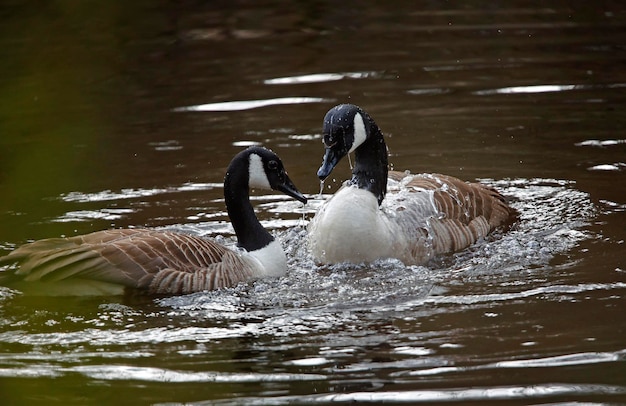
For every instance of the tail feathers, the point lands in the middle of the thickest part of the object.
(57, 259)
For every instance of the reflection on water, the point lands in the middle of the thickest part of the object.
(85, 215)
(533, 392)
(320, 77)
(528, 89)
(546, 88)
(138, 131)
(616, 166)
(251, 104)
(134, 193)
(600, 143)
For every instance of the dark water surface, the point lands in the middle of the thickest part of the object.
(127, 115)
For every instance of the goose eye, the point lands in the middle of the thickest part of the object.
(273, 165)
(329, 141)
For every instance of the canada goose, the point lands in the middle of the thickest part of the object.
(421, 216)
(161, 262)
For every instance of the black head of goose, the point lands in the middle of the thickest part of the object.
(161, 262)
(389, 214)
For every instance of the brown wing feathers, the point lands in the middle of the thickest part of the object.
(144, 259)
(468, 211)
(228, 272)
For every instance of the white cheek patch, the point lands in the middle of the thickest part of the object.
(256, 173)
(359, 132)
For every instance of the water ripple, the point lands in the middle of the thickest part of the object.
(85, 215)
(151, 374)
(600, 143)
(528, 89)
(130, 193)
(545, 362)
(498, 297)
(564, 360)
(547, 88)
(443, 395)
(320, 77)
(251, 104)
(122, 372)
(617, 166)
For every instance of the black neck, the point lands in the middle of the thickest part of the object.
(370, 169)
(250, 233)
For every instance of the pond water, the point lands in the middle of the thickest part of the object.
(127, 116)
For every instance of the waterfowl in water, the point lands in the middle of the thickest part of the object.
(389, 214)
(161, 262)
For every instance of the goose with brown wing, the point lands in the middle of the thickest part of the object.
(161, 262)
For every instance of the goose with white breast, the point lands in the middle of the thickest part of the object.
(389, 214)
(157, 262)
